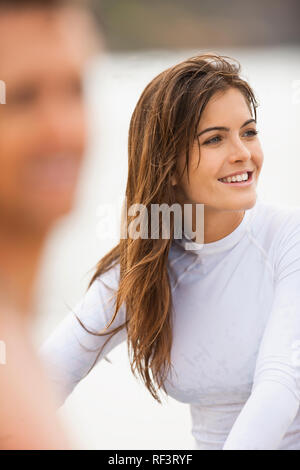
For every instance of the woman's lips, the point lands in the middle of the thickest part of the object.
(241, 183)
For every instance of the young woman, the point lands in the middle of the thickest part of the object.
(212, 317)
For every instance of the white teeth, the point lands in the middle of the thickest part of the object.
(233, 179)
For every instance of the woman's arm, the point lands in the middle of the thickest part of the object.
(264, 419)
(275, 398)
(70, 351)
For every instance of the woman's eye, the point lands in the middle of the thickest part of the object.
(212, 140)
(253, 132)
(217, 138)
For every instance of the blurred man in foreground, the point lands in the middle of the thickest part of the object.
(43, 49)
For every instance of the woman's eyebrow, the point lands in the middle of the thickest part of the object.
(221, 128)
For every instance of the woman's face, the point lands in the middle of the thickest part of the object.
(222, 152)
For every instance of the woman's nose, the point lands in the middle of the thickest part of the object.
(238, 150)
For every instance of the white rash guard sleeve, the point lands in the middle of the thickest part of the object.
(275, 395)
(70, 351)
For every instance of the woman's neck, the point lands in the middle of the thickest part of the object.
(209, 224)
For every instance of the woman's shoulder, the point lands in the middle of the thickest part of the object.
(101, 290)
(276, 229)
(110, 278)
(98, 302)
(275, 220)
(277, 207)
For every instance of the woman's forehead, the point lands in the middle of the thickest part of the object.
(224, 106)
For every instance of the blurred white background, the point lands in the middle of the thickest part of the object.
(111, 409)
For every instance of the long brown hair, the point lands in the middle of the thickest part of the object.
(163, 125)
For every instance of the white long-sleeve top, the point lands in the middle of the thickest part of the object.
(236, 333)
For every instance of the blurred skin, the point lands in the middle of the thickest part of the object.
(221, 153)
(42, 131)
(42, 143)
(27, 403)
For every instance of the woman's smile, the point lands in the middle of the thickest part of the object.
(239, 180)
